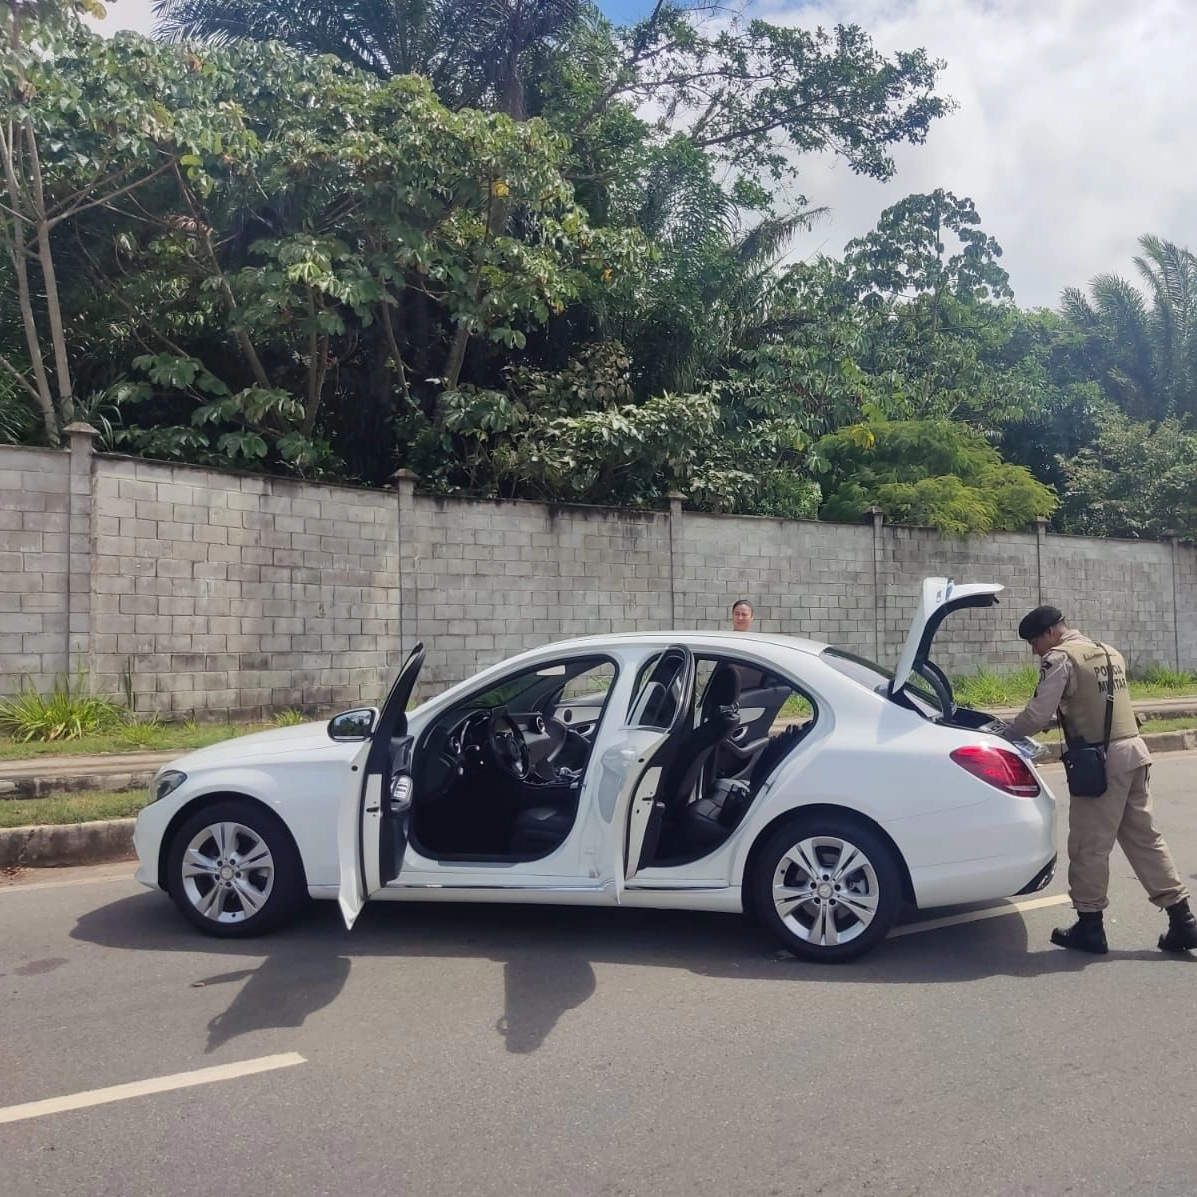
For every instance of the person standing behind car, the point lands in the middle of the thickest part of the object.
(1076, 676)
(742, 615)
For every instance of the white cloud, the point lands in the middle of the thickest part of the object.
(1074, 133)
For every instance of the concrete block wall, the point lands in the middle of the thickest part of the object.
(1184, 595)
(34, 565)
(1117, 590)
(986, 634)
(218, 594)
(803, 578)
(494, 578)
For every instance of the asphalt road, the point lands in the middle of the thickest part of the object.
(491, 1050)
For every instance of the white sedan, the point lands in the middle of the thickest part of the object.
(693, 770)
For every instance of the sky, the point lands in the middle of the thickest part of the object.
(1073, 133)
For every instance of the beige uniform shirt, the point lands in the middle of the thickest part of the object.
(1057, 682)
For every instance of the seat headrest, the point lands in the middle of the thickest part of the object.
(723, 688)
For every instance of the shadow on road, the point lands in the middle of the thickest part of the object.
(548, 954)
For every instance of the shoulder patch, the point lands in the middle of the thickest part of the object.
(1050, 660)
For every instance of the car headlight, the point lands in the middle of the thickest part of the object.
(166, 783)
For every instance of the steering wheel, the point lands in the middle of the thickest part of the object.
(508, 748)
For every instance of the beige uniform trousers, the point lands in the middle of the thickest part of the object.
(1121, 815)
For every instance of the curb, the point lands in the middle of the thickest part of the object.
(42, 784)
(70, 844)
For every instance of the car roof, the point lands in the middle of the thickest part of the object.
(726, 641)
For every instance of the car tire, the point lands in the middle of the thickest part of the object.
(849, 904)
(233, 870)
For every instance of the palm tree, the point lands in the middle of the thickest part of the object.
(1144, 347)
(474, 52)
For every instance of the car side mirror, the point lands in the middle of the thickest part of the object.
(353, 725)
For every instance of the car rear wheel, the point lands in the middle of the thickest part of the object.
(233, 870)
(827, 886)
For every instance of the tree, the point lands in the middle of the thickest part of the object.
(84, 127)
(930, 266)
(756, 96)
(1143, 348)
(930, 473)
(1134, 480)
(474, 52)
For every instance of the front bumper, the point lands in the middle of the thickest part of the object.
(151, 825)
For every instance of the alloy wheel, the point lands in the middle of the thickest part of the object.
(228, 872)
(825, 890)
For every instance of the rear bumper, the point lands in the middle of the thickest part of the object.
(1017, 837)
(1042, 879)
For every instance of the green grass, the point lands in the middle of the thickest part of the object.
(130, 737)
(57, 809)
(987, 689)
(795, 707)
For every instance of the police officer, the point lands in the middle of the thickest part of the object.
(1075, 677)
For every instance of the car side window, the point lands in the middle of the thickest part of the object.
(658, 692)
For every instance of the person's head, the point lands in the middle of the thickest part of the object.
(1042, 629)
(742, 615)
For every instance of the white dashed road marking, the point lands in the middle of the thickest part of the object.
(158, 1084)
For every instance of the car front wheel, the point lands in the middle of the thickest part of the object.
(233, 870)
(827, 886)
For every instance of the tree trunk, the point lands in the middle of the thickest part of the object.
(45, 396)
(62, 365)
(456, 357)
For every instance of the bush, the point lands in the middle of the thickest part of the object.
(290, 718)
(66, 713)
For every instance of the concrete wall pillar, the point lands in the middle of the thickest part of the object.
(409, 613)
(876, 518)
(676, 498)
(80, 547)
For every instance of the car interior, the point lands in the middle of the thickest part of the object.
(499, 778)
(714, 766)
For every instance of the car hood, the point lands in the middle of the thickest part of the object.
(299, 742)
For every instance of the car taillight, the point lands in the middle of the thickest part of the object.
(999, 767)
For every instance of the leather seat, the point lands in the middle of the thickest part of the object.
(720, 718)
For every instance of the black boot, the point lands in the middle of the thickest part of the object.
(1181, 935)
(1086, 935)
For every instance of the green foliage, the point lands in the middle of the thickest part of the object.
(928, 473)
(1164, 677)
(445, 236)
(291, 717)
(67, 712)
(1143, 349)
(1134, 480)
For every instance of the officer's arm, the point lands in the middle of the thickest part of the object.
(1039, 712)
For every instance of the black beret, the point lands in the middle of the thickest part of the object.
(1036, 622)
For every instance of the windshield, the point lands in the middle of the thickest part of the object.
(874, 677)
